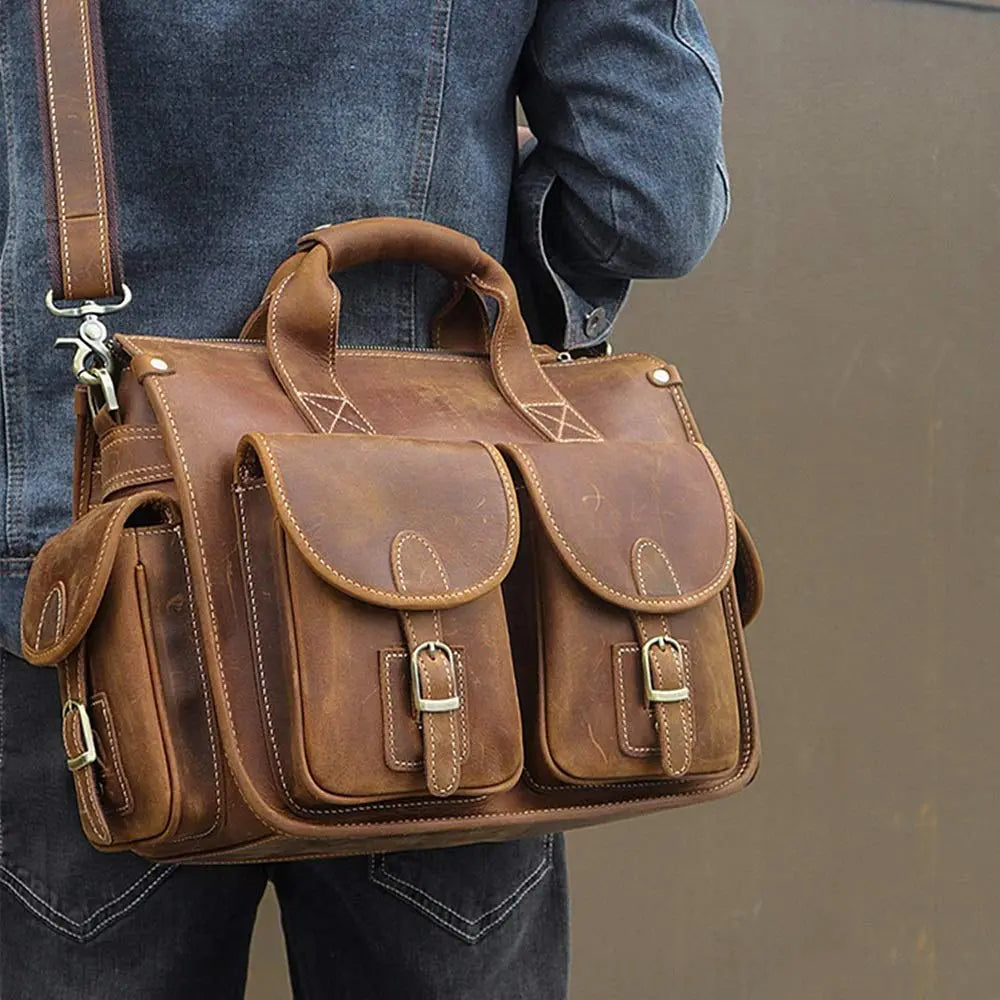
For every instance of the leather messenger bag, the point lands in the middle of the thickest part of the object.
(297, 614)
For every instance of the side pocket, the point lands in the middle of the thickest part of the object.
(46, 864)
(467, 890)
(109, 600)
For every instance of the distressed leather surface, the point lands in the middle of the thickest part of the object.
(337, 515)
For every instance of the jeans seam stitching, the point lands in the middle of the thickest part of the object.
(153, 873)
(81, 930)
(476, 927)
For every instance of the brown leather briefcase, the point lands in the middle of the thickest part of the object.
(321, 601)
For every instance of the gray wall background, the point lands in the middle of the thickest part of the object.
(840, 349)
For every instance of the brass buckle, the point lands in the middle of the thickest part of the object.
(421, 703)
(89, 754)
(653, 693)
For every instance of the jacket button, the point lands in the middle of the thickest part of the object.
(596, 321)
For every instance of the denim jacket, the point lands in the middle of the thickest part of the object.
(240, 124)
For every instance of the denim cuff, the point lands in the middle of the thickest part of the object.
(563, 307)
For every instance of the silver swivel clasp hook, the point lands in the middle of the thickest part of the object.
(93, 364)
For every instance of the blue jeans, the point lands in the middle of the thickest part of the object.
(485, 921)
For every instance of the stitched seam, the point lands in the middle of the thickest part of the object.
(4, 871)
(414, 894)
(643, 543)
(663, 710)
(85, 935)
(660, 711)
(101, 700)
(501, 296)
(255, 626)
(431, 724)
(562, 419)
(682, 409)
(414, 536)
(273, 342)
(686, 706)
(84, 778)
(59, 593)
(746, 732)
(56, 157)
(619, 658)
(393, 755)
(95, 147)
(691, 598)
(374, 591)
(213, 618)
(116, 434)
(112, 524)
(391, 655)
(132, 476)
(206, 694)
(338, 414)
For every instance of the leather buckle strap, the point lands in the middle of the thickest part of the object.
(656, 694)
(429, 704)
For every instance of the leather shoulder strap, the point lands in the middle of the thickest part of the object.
(81, 212)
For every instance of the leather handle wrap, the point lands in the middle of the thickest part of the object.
(363, 241)
(81, 215)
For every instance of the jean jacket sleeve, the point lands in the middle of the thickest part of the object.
(627, 178)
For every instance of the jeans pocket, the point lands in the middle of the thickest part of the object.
(46, 862)
(468, 890)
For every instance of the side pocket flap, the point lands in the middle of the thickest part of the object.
(395, 522)
(70, 573)
(644, 525)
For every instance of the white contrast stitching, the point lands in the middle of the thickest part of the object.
(631, 647)
(692, 598)
(388, 657)
(101, 700)
(746, 734)
(382, 876)
(112, 524)
(160, 871)
(415, 536)
(130, 477)
(59, 593)
(504, 301)
(206, 695)
(213, 618)
(57, 160)
(648, 542)
(95, 148)
(292, 804)
(481, 587)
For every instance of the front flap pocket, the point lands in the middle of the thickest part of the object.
(372, 569)
(634, 548)
(71, 572)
